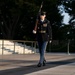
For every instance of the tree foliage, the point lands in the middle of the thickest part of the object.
(17, 17)
(69, 6)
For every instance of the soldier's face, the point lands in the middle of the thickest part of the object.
(42, 17)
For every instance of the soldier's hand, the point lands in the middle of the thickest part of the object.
(50, 41)
(34, 32)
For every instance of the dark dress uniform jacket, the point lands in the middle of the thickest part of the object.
(44, 31)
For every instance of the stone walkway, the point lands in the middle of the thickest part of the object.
(57, 64)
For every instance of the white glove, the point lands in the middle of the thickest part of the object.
(50, 41)
(34, 31)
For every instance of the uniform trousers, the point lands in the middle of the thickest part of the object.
(42, 49)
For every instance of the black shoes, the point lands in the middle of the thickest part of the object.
(40, 64)
(44, 63)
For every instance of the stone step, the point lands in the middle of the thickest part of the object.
(19, 48)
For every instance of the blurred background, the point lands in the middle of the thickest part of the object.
(18, 17)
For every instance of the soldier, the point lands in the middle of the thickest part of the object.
(44, 34)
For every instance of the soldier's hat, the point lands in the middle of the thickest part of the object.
(43, 13)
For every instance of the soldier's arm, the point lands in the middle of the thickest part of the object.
(49, 31)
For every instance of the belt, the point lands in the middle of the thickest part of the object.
(42, 31)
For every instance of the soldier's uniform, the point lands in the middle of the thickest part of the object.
(44, 34)
(44, 31)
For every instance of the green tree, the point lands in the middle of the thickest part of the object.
(69, 6)
(17, 17)
(14, 15)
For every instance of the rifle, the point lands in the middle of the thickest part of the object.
(35, 28)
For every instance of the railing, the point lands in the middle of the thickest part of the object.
(67, 46)
(32, 44)
(55, 46)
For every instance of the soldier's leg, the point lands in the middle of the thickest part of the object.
(40, 47)
(42, 51)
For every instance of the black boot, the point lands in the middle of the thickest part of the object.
(44, 62)
(39, 64)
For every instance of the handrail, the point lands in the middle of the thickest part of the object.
(34, 44)
(14, 45)
(17, 40)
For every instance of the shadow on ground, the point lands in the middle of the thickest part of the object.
(32, 68)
